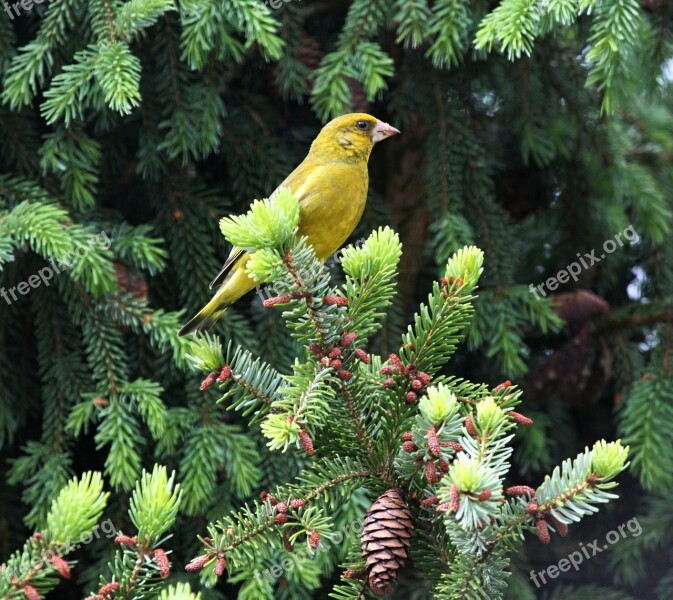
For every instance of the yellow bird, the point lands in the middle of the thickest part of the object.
(331, 187)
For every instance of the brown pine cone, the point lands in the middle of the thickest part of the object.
(385, 539)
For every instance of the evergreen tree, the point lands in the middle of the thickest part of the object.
(538, 130)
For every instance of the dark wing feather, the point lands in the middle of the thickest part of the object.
(234, 255)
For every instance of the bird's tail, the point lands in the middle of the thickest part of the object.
(234, 286)
(204, 319)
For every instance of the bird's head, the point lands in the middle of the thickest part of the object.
(350, 137)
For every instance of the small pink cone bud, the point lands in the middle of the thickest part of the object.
(306, 443)
(519, 418)
(297, 503)
(430, 501)
(485, 495)
(345, 375)
(269, 302)
(519, 490)
(433, 442)
(30, 592)
(431, 472)
(335, 353)
(220, 565)
(335, 301)
(362, 356)
(62, 567)
(454, 498)
(469, 425)
(225, 373)
(542, 531)
(347, 339)
(314, 539)
(209, 381)
(407, 437)
(411, 397)
(164, 565)
(409, 446)
(280, 519)
(196, 564)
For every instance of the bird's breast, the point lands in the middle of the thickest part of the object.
(329, 217)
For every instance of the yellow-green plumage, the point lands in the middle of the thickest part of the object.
(331, 188)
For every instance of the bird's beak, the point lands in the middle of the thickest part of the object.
(382, 131)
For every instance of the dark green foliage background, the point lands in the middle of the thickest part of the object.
(533, 133)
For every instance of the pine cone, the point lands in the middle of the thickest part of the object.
(310, 53)
(385, 540)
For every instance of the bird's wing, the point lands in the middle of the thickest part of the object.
(294, 181)
(234, 255)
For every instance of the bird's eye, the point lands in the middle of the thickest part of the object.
(362, 125)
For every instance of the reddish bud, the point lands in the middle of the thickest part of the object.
(225, 373)
(502, 386)
(485, 495)
(454, 498)
(345, 375)
(108, 589)
(409, 369)
(264, 495)
(416, 384)
(306, 443)
(314, 539)
(424, 377)
(469, 425)
(444, 507)
(387, 370)
(196, 564)
(161, 559)
(220, 565)
(280, 519)
(444, 465)
(411, 397)
(324, 361)
(430, 501)
(519, 418)
(454, 445)
(62, 567)
(353, 574)
(287, 544)
(38, 537)
(126, 540)
(297, 503)
(433, 442)
(335, 353)
(532, 508)
(362, 356)
(30, 592)
(542, 531)
(562, 528)
(281, 507)
(519, 490)
(335, 364)
(269, 302)
(409, 446)
(209, 381)
(389, 383)
(347, 339)
(316, 349)
(407, 437)
(396, 362)
(431, 472)
(335, 301)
